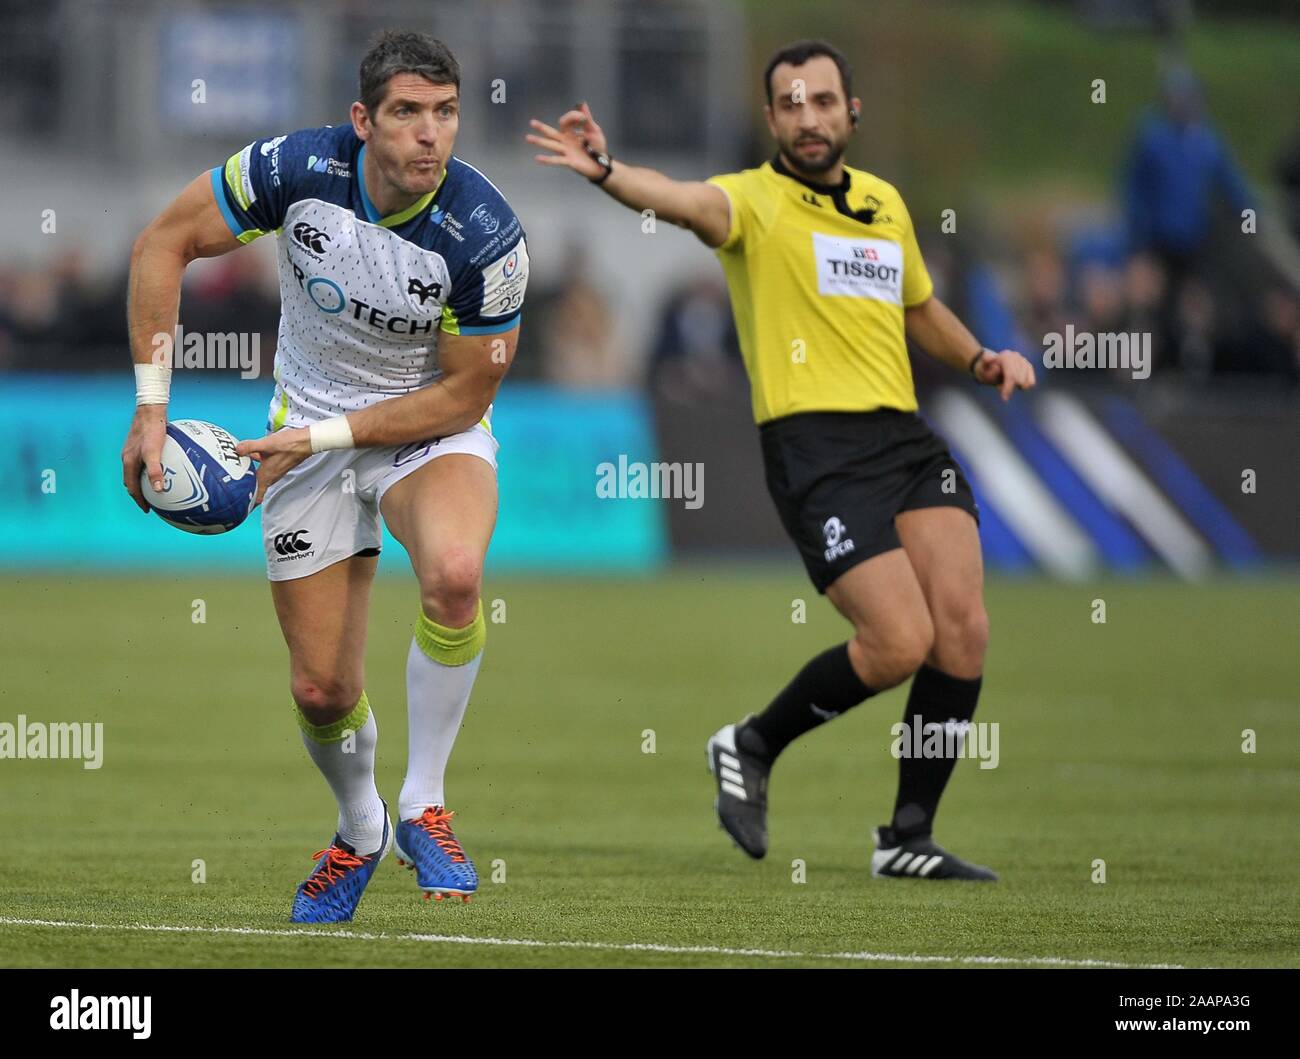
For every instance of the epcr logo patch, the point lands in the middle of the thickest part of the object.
(836, 542)
(485, 220)
(511, 263)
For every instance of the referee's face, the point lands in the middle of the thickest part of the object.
(412, 132)
(809, 117)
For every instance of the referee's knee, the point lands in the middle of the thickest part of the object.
(886, 658)
(961, 639)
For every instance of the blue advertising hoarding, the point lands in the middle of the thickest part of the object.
(62, 502)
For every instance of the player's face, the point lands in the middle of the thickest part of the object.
(809, 115)
(412, 132)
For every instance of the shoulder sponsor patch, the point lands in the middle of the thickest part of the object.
(504, 281)
(859, 268)
(239, 179)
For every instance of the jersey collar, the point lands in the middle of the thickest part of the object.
(393, 220)
(778, 163)
(837, 193)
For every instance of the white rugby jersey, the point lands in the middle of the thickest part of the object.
(364, 297)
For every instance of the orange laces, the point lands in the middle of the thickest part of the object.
(435, 823)
(337, 862)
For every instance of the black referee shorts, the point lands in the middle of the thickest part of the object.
(839, 478)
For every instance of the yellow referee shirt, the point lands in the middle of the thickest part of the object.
(818, 294)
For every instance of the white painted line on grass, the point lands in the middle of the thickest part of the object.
(604, 946)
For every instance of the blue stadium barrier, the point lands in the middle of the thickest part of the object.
(1003, 550)
(64, 504)
(1117, 541)
(1232, 543)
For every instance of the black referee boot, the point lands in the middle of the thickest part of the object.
(920, 858)
(740, 770)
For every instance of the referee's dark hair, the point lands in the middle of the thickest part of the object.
(401, 52)
(800, 52)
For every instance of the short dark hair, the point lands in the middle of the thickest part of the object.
(400, 52)
(800, 52)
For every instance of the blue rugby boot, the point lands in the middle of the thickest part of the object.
(427, 845)
(331, 892)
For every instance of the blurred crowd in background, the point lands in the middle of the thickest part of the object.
(1163, 257)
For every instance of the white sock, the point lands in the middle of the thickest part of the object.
(345, 754)
(436, 697)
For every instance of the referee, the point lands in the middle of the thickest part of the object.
(827, 283)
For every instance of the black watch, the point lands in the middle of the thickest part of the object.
(601, 159)
(975, 362)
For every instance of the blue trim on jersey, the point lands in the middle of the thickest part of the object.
(492, 329)
(372, 214)
(219, 193)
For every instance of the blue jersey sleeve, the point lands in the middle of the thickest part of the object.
(487, 291)
(251, 188)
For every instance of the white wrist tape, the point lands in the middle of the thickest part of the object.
(333, 433)
(153, 383)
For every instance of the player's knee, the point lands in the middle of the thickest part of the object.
(324, 699)
(449, 593)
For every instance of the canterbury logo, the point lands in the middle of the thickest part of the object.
(291, 543)
(312, 238)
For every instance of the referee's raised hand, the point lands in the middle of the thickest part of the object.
(568, 145)
(576, 142)
(1008, 371)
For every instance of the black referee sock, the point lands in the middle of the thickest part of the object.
(935, 698)
(824, 688)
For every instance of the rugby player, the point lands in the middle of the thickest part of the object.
(827, 283)
(402, 274)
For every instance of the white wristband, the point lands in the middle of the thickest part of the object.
(153, 383)
(333, 433)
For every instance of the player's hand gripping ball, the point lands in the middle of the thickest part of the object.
(207, 486)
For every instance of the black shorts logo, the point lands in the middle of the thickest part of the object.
(837, 543)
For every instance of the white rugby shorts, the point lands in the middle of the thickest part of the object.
(327, 508)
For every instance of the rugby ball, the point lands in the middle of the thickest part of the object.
(207, 486)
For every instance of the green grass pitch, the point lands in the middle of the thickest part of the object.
(1119, 742)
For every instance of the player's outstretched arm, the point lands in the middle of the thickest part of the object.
(935, 328)
(472, 369)
(191, 227)
(702, 208)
